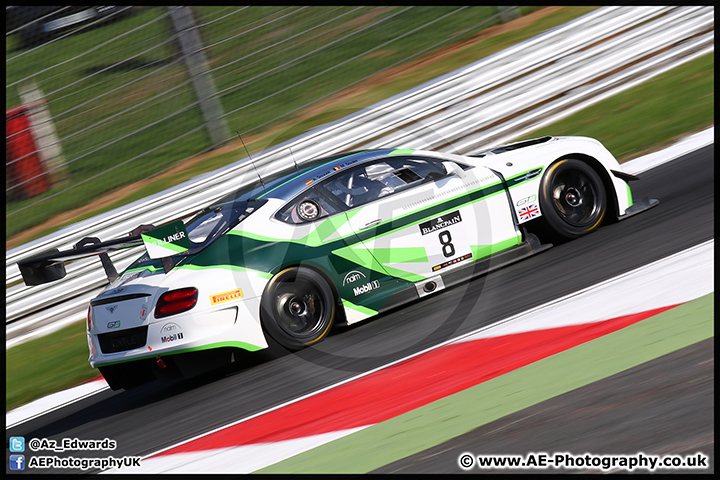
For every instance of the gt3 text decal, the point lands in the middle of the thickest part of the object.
(524, 201)
(226, 296)
(441, 222)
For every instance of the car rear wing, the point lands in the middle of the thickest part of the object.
(160, 242)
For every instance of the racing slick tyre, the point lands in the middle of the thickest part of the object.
(297, 308)
(572, 198)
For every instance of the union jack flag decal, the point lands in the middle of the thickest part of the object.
(526, 213)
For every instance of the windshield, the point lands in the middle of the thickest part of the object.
(217, 219)
(281, 184)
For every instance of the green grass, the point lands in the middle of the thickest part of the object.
(670, 105)
(68, 347)
(650, 115)
(465, 24)
(437, 422)
(47, 365)
(83, 100)
(248, 103)
(370, 27)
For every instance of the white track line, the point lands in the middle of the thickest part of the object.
(53, 402)
(57, 400)
(672, 280)
(681, 147)
(239, 460)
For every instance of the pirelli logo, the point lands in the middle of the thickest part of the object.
(226, 296)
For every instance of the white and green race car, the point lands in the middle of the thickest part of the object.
(336, 241)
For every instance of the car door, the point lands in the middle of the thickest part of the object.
(417, 219)
(324, 240)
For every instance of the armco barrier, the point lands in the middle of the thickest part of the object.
(481, 104)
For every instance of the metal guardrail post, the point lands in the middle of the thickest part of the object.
(490, 100)
(508, 13)
(193, 54)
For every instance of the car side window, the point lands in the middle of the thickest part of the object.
(368, 182)
(308, 207)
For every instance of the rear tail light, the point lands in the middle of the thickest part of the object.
(176, 301)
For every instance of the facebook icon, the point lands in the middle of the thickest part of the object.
(17, 462)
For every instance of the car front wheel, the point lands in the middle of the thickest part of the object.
(572, 198)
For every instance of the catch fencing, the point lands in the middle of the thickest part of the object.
(118, 94)
(486, 103)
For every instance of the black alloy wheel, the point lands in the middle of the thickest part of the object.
(572, 198)
(298, 308)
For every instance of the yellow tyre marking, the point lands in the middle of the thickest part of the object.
(332, 311)
(544, 193)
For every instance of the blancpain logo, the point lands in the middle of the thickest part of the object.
(368, 287)
(441, 222)
(352, 277)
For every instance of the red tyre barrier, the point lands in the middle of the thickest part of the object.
(26, 176)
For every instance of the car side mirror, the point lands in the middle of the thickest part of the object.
(452, 168)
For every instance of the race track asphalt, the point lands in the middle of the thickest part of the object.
(159, 415)
(650, 408)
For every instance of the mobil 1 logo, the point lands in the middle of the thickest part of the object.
(366, 287)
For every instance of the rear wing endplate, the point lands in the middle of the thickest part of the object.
(50, 265)
(159, 242)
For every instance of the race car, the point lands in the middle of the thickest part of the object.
(335, 241)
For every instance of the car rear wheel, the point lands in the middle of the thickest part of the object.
(572, 198)
(298, 308)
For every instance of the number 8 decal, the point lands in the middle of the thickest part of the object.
(447, 247)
